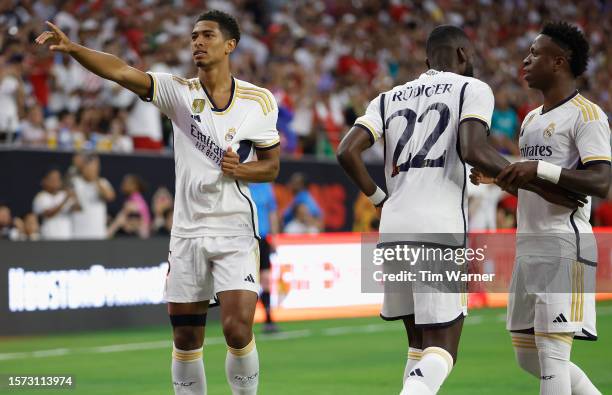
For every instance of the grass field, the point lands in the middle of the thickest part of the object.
(349, 356)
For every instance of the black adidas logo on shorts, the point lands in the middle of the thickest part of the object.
(250, 278)
(560, 319)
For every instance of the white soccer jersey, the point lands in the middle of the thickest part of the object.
(425, 175)
(574, 134)
(206, 202)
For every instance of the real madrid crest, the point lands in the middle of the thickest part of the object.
(550, 129)
(229, 136)
(198, 105)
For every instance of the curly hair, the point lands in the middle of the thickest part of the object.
(227, 23)
(571, 39)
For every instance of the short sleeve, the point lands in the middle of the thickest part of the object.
(165, 92)
(477, 102)
(593, 140)
(40, 204)
(372, 121)
(265, 135)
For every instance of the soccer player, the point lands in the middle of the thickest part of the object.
(218, 122)
(567, 142)
(431, 127)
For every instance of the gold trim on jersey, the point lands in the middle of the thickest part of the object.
(254, 98)
(192, 84)
(577, 306)
(588, 109)
(474, 116)
(255, 91)
(270, 144)
(369, 127)
(592, 158)
(415, 355)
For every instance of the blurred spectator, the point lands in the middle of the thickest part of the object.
(128, 223)
(133, 187)
(166, 228)
(11, 99)
(29, 228)
(93, 193)
(54, 205)
(162, 201)
(301, 196)
(303, 222)
(32, 131)
(504, 125)
(8, 231)
(267, 218)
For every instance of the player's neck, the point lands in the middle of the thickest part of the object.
(558, 92)
(217, 79)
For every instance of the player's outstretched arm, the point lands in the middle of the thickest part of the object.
(103, 64)
(264, 169)
(349, 152)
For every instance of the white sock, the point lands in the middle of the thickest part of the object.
(526, 353)
(433, 368)
(242, 369)
(581, 385)
(554, 351)
(188, 376)
(414, 356)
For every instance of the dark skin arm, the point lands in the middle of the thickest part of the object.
(264, 169)
(349, 152)
(592, 181)
(477, 152)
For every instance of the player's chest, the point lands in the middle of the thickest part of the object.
(223, 126)
(545, 138)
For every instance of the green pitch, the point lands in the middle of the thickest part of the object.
(350, 356)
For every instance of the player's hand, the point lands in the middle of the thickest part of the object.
(230, 163)
(477, 177)
(58, 40)
(517, 175)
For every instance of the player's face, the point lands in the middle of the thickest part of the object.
(539, 65)
(208, 46)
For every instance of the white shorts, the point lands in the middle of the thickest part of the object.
(201, 267)
(430, 309)
(548, 295)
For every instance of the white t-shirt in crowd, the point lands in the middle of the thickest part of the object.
(58, 227)
(90, 221)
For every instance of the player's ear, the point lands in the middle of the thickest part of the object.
(461, 55)
(230, 45)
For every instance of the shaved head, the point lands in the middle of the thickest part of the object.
(450, 49)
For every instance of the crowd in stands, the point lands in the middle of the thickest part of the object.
(323, 60)
(73, 206)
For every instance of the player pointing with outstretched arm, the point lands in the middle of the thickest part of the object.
(431, 127)
(219, 122)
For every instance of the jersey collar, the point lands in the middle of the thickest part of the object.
(562, 102)
(228, 104)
